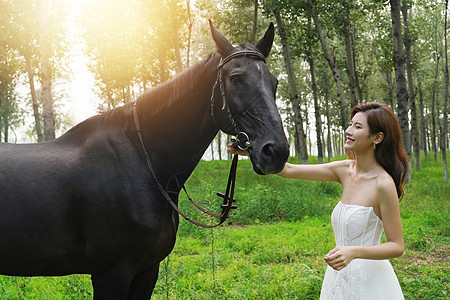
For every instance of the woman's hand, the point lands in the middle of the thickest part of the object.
(340, 257)
(233, 150)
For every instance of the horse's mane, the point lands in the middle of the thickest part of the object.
(165, 94)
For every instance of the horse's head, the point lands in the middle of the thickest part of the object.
(243, 102)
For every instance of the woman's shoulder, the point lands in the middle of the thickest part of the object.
(385, 186)
(342, 163)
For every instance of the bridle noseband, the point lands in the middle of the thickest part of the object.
(242, 142)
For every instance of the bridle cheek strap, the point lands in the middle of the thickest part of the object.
(227, 122)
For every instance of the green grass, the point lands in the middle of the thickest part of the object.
(274, 245)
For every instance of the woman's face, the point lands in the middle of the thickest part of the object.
(357, 133)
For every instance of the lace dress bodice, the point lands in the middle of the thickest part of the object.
(355, 225)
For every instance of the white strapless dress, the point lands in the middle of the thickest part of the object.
(362, 279)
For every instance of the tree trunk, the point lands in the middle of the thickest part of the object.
(411, 91)
(332, 63)
(298, 120)
(36, 114)
(189, 25)
(423, 134)
(415, 134)
(219, 144)
(163, 76)
(444, 133)
(348, 37)
(5, 120)
(327, 111)
(255, 22)
(46, 73)
(310, 59)
(390, 83)
(433, 107)
(402, 92)
(175, 34)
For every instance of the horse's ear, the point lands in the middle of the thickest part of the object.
(265, 44)
(224, 47)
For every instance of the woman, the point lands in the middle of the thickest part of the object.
(371, 188)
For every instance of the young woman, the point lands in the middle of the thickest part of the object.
(371, 182)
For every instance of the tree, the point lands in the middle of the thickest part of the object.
(332, 63)
(293, 94)
(400, 79)
(318, 121)
(189, 24)
(411, 91)
(8, 72)
(46, 72)
(350, 56)
(255, 22)
(173, 9)
(444, 132)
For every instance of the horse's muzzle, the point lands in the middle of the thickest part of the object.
(270, 159)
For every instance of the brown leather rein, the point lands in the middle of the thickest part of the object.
(228, 197)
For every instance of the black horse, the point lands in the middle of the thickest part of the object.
(87, 203)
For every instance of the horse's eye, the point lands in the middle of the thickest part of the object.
(236, 79)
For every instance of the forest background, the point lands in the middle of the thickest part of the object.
(328, 56)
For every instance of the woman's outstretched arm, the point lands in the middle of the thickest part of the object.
(333, 171)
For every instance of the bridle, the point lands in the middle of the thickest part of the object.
(242, 142)
(231, 127)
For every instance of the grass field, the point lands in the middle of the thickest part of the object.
(273, 246)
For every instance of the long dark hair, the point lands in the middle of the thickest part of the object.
(390, 153)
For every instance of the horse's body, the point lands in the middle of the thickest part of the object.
(87, 202)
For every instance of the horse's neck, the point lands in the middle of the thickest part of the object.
(179, 134)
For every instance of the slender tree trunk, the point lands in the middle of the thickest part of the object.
(358, 86)
(317, 114)
(391, 87)
(189, 26)
(212, 149)
(219, 144)
(162, 64)
(400, 79)
(423, 134)
(433, 107)
(255, 22)
(303, 153)
(46, 73)
(414, 137)
(415, 134)
(296, 141)
(175, 34)
(5, 119)
(334, 70)
(444, 133)
(329, 146)
(434, 99)
(36, 114)
(348, 38)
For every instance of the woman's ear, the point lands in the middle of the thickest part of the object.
(379, 137)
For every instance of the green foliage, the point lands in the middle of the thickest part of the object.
(270, 198)
(277, 256)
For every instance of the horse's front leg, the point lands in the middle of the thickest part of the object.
(143, 283)
(112, 284)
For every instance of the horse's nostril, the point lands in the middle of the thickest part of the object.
(268, 150)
